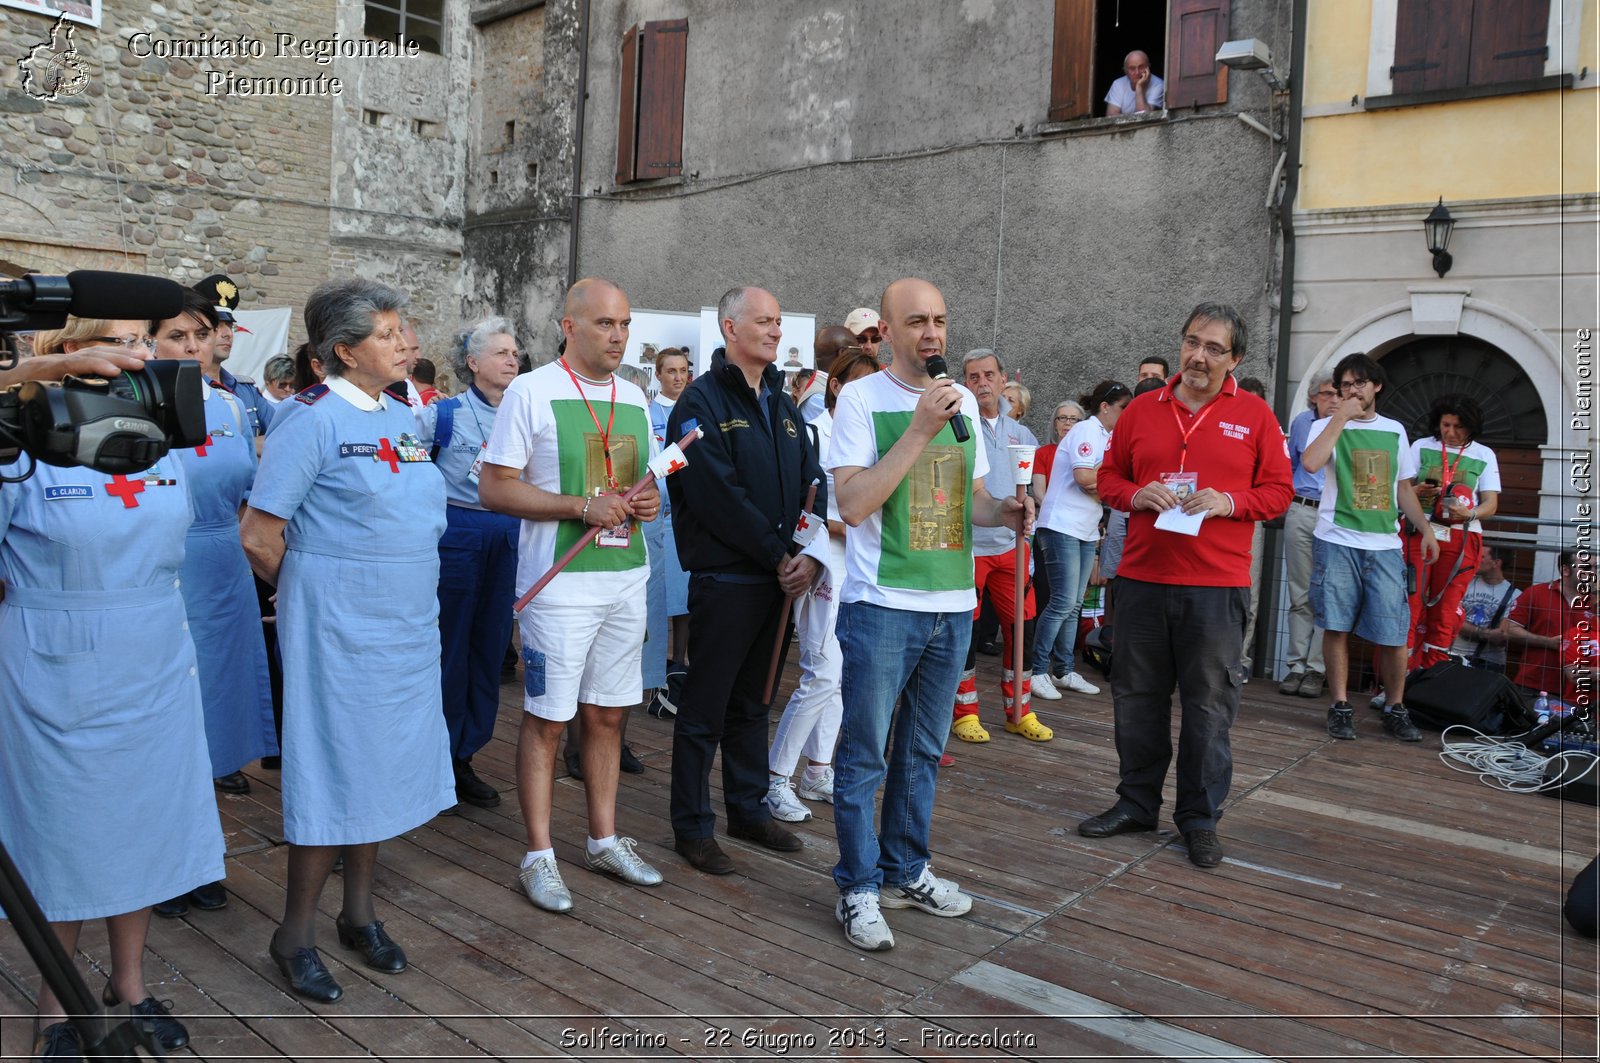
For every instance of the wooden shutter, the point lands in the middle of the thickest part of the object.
(1432, 40)
(1198, 29)
(1072, 61)
(628, 95)
(663, 57)
(1509, 41)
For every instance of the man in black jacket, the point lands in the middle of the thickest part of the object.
(734, 510)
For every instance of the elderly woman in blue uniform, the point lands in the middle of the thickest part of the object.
(345, 519)
(218, 591)
(106, 803)
(478, 553)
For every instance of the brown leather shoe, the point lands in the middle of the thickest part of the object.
(703, 854)
(768, 834)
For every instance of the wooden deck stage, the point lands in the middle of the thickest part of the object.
(1374, 904)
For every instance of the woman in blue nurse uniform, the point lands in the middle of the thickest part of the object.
(224, 616)
(478, 553)
(106, 803)
(344, 520)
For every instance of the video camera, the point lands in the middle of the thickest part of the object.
(122, 424)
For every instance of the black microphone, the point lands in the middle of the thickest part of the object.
(95, 293)
(939, 371)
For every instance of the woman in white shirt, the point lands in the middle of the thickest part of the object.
(1068, 532)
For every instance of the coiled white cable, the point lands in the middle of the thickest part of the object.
(1507, 764)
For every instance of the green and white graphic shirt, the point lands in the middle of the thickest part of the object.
(1462, 474)
(552, 425)
(1359, 505)
(915, 553)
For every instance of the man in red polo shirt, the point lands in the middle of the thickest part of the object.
(1196, 463)
(1546, 616)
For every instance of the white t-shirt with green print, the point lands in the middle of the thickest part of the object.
(1360, 507)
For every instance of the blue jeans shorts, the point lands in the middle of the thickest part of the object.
(1363, 591)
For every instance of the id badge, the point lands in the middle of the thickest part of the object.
(618, 537)
(1441, 532)
(1182, 484)
(477, 464)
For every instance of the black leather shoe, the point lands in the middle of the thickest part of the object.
(307, 975)
(574, 768)
(59, 1041)
(234, 783)
(151, 1016)
(767, 834)
(272, 763)
(173, 908)
(1113, 821)
(473, 790)
(703, 854)
(377, 950)
(1205, 850)
(209, 898)
(630, 763)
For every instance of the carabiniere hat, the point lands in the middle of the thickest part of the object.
(223, 293)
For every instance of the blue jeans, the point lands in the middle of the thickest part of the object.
(913, 660)
(1069, 561)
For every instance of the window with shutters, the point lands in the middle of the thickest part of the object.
(650, 109)
(1444, 45)
(1092, 38)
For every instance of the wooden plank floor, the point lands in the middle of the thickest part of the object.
(1374, 904)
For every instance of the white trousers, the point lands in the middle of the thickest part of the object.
(810, 723)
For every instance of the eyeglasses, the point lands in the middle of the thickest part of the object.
(1353, 385)
(1192, 344)
(127, 342)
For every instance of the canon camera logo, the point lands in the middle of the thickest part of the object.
(123, 424)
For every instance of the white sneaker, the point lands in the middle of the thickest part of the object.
(1042, 688)
(1379, 700)
(783, 803)
(1074, 681)
(934, 895)
(820, 789)
(864, 925)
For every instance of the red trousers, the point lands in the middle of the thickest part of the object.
(1434, 627)
(996, 576)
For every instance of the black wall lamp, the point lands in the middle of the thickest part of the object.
(1438, 226)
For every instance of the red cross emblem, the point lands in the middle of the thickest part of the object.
(200, 451)
(939, 496)
(802, 524)
(1024, 464)
(386, 452)
(674, 465)
(125, 489)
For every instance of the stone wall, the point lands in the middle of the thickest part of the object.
(516, 229)
(146, 169)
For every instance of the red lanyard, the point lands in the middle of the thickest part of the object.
(1186, 433)
(1449, 471)
(605, 433)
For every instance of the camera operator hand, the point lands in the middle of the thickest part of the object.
(107, 360)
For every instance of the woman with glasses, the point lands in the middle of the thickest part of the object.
(1068, 532)
(478, 552)
(345, 520)
(218, 591)
(1067, 416)
(105, 802)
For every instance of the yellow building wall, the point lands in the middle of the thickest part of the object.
(1501, 147)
